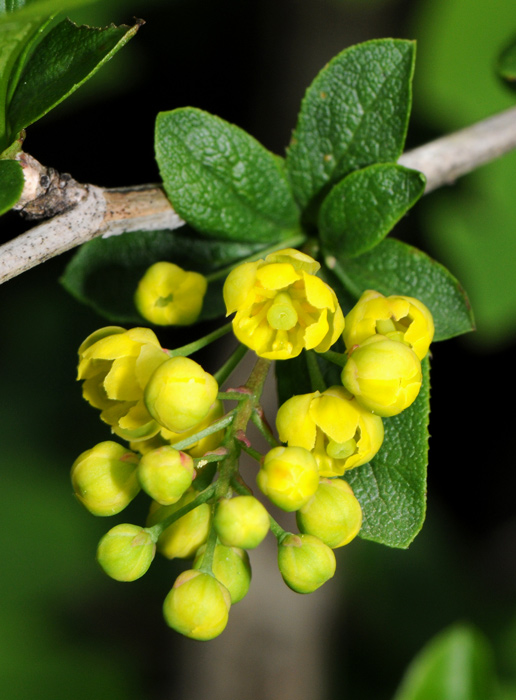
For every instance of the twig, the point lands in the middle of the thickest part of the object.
(83, 212)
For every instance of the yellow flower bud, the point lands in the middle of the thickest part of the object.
(165, 474)
(197, 606)
(167, 295)
(288, 477)
(115, 366)
(126, 552)
(333, 426)
(184, 536)
(231, 567)
(206, 444)
(241, 522)
(282, 307)
(180, 393)
(104, 478)
(384, 375)
(305, 562)
(333, 514)
(396, 317)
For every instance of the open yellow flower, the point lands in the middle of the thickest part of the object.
(333, 427)
(396, 317)
(282, 307)
(115, 366)
(167, 295)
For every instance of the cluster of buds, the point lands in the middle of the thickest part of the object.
(183, 447)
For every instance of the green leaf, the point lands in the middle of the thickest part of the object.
(67, 57)
(354, 114)
(393, 267)
(506, 66)
(363, 208)
(455, 665)
(11, 184)
(221, 180)
(22, 26)
(392, 488)
(105, 272)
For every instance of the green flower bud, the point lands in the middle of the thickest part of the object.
(126, 552)
(184, 536)
(305, 562)
(180, 393)
(288, 477)
(197, 606)
(167, 295)
(241, 522)
(333, 514)
(231, 567)
(165, 474)
(104, 478)
(384, 375)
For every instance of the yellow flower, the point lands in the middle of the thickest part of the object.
(396, 317)
(333, 426)
(282, 307)
(384, 375)
(167, 295)
(115, 365)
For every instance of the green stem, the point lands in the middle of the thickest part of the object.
(316, 377)
(276, 529)
(233, 360)
(213, 428)
(252, 453)
(292, 242)
(338, 358)
(156, 530)
(264, 428)
(207, 558)
(190, 348)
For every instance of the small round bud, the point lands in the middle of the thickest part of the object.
(104, 478)
(184, 536)
(165, 474)
(231, 567)
(333, 514)
(126, 552)
(167, 295)
(180, 393)
(197, 606)
(384, 375)
(288, 477)
(205, 444)
(241, 522)
(305, 562)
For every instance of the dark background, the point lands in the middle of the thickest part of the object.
(68, 631)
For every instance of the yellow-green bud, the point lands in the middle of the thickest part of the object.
(333, 514)
(184, 536)
(197, 606)
(180, 393)
(126, 552)
(231, 567)
(165, 474)
(167, 295)
(384, 375)
(397, 317)
(205, 444)
(104, 478)
(288, 477)
(305, 562)
(241, 522)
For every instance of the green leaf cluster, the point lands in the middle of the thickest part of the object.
(42, 62)
(338, 192)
